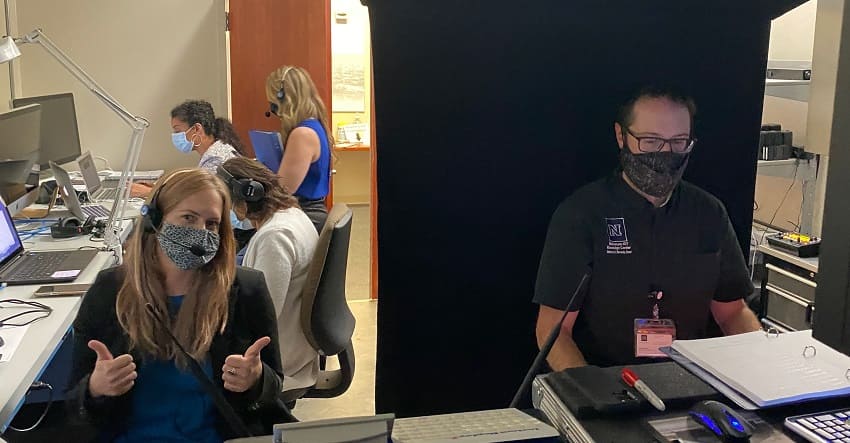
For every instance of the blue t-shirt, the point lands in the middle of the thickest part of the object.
(316, 183)
(169, 405)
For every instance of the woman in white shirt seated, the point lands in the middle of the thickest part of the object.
(196, 128)
(282, 248)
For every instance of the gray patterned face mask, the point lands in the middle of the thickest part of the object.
(187, 247)
(654, 173)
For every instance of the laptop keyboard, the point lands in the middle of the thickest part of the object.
(96, 211)
(38, 266)
(106, 194)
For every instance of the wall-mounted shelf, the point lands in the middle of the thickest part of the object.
(356, 148)
(792, 168)
(797, 90)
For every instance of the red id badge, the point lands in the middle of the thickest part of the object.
(652, 334)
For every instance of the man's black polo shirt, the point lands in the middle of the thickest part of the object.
(686, 248)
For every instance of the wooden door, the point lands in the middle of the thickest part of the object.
(267, 34)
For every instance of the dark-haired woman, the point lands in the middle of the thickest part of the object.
(196, 128)
(282, 249)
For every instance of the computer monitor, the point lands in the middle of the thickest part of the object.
(60, 137)
(831, 322)
(20, 133)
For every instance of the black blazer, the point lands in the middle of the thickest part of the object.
(251, 316)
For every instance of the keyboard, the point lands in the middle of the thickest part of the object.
(831, 426)
(96, 211)
(38, 266)
(498, 425)
(138, 175)
(106, 194)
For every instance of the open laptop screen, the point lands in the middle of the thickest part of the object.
(10, 243)
(66, 190)
(89, 172)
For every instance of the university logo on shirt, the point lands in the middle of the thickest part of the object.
(618, 238)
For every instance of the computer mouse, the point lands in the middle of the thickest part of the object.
(722, 420)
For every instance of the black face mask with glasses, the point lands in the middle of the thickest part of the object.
(654, 171)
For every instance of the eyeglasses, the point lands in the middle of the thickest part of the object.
(656, 144)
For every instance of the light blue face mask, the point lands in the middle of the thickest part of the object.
(244, 225)
(183, 144)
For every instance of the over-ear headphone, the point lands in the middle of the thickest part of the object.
(244, 189)
(71, 227)
(151, 214)
(281, 95)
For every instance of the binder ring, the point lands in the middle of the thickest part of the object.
(846, 374)
(810, 351)
(771, 332)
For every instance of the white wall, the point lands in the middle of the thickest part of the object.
(149, 55)
(5, 85)
(791, 38)
(792, 35)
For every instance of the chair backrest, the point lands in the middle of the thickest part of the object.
(326, 319)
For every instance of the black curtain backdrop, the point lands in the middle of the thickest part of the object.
(490, 113)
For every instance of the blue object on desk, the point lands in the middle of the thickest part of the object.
(267, 147)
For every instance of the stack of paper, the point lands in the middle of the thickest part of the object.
(11, 337)
(771, 370)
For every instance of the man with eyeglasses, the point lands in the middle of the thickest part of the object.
(661, 253)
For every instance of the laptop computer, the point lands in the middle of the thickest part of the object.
(69, 196)
(97, 191)
(20, 267)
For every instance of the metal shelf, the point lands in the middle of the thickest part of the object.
(792, 168)
(797, 90)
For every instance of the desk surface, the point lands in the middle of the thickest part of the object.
(809, 264)
(633, 428)
(44, 336)
(631, 425)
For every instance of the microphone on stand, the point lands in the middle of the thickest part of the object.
(547, 346)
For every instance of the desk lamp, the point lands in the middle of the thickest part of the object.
(9, 51)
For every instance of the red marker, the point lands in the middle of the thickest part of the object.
(634, 381)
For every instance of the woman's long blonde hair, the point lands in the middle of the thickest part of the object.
(301, 100)
(203, 313)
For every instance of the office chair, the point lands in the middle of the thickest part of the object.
(326, 320)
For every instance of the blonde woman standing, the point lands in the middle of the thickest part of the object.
(305, 170)
(129, 380)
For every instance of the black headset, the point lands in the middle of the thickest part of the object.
(152, 218)
(151, 215)
(281, 94)
(71, 227)
(243, 189)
